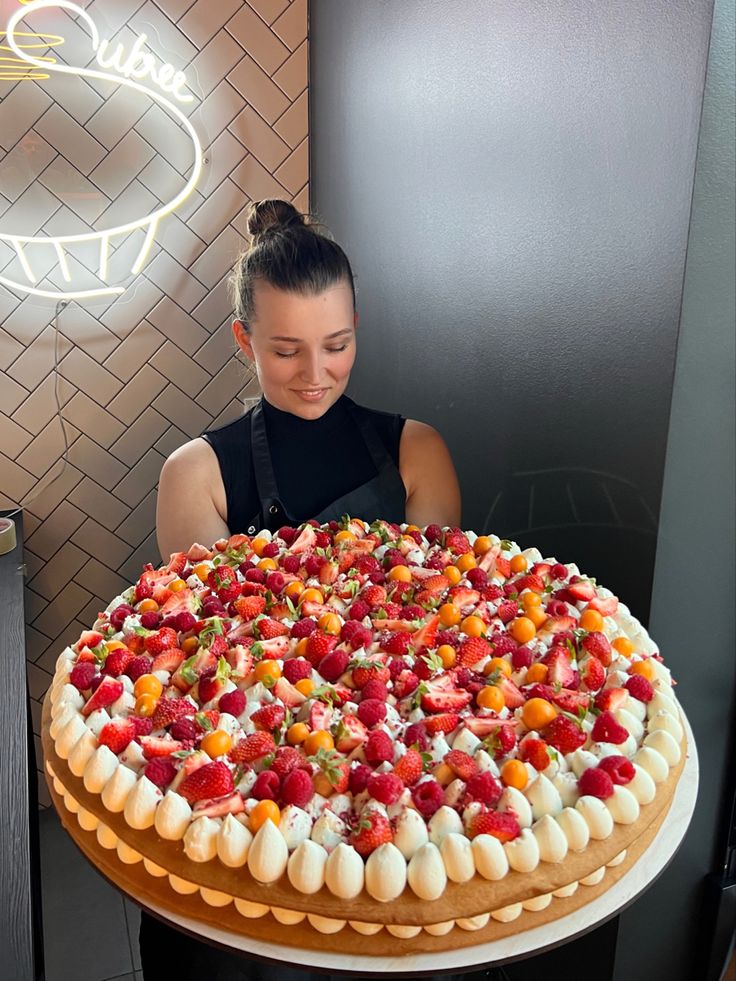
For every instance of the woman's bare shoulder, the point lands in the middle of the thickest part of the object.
(432, 489)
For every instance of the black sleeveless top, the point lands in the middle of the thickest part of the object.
(315, 461)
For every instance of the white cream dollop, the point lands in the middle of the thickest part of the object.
(200, 840)
(457, 854)
(70, 735)
(233, 842)
(295, 825)
(550, 838)
(544, 797)
(426, 874)
(83, 750)
(443, 822)
(623, 806)
(344, 872)
(140, 807)
(268, 854)
(653, 763)
(490, 858)
(116, 790)
(329, 830)
(575, 828)
(306, 867)
(660, 740)
(642, 786)
(523, 852)
(597, 816)
(513, 800)
(411, 833)
(99, 769)
(567, 787)
(173, 816)
(663, 720)
(385, 873)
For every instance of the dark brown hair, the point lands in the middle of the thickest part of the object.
(288, 252)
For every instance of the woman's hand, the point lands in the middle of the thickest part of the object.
(432, 489)
(191, 500)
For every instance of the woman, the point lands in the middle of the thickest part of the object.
(306, 451)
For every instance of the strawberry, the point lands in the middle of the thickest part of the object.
(500, 742)
(559, 669)
(168, 710)
(556, 625)
(269, 717)
(320, 716)
(334, 664)
(564, 734)
(305, 541)
(252, 747)
(249, 607)
(581, 591)
(266, 629)
(319, 646)
(592, 674)
(511, 693)
(405, 684)
(286, 693)
(158, 746)
(463, 598)
(88, 638)
(333, 774)
(425, 636)
(457, 542)
(610, 699)
(471, 651)
(529, 581)
(534, 751)
(435, 585)
(117, 661)
(410, 767)
(597, 644)
(219, 807)
(168, 660)
(461, 764)
(564, 698)
(372, 831)
(240, 661)
(117, 734)
(441, 723)
(366, 671)
(608, 730)
(373, 595)
(446, 701)
(221, 577)
(605, 606)
(108, 691)
(503, 826)
(210, 780)
(507, 611)
(160, 640)
(351, 732)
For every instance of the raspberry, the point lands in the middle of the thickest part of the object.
(232, 702)
(618, 768)
(435, 561)
(557, 608)
(287, 759)
(564, 735)
(160, 771)
(461, 764)
(255, 575)
(358, 610)
(534, 751)
(428, 797)
(507, 611)
(393, 557)
(491, 592)
(385, 787)
(485, 788)
(413, 612)
(151, 620)
(472, 650)
(559, 571)
(143, 727)
(521, 657)
(396, 666)
(503, 644)
(416, 735)
(379, 748)
(253, 747)
(287, 534)
(184, 730)
(358, 779)
(117, 661)
(322, 539)
(608, 730)
(185, 621)
(396, 643)
(82, 674)
(297, 788)
(640, 687)
(290, 564)
(374, 689)
(118, 615)
(410, 767)
(446, 637)
(312, 564)
(595, 782)
(333, 665)
(371, 711)
(168, 710)
(303, 628)
(295, 669)
(275, 582)
(267, 786)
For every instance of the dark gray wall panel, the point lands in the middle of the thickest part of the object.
(512, 182)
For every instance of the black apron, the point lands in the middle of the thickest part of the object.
(382, 497)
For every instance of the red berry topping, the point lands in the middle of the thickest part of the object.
(507, 611)
(232, 702)
(597, 643)
(287, 759)
(170, 709)
(297, 788)
(374, 689)
(379, 747)
(358, 778)
(595, 782)
(485, 788)
(303, 628)
(385, 787)
(372, 831)
(117, 734)
(359, 609)
(416, 735)
(295, 669)
(640, 687)
(160, 771)
(396, 642)
(319, 645)
(267, 786)
(82, 674)
(252, 748)
(410, 767)
(534, 751)
(564, 734)
(269, 717)
(185, 730)
(161, 640)
(428, 797)
(141, 664)
(471, 651)
(461, 764)
(618, 768)
(446, 722)
(333, 665)
(371, 711)
(503, 826)
(521, 657)
(210, 780)
(117, 661)
(608, 730)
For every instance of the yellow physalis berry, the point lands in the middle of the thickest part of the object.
(265, 810)
(148, 684)
(216, 743)
(514, 774)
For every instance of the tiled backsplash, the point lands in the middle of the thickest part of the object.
(156, 366)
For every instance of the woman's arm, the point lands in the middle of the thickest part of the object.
(432, 489)
(191, 500)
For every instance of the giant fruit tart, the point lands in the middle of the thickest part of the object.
(405, 730)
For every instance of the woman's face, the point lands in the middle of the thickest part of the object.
(303, 347)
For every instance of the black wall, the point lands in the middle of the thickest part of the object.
(512, 182)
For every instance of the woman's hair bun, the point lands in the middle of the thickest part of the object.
(272, 215)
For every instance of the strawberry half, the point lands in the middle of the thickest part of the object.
(441, 723)
(108, 691)
(446, 701)
(211, 780)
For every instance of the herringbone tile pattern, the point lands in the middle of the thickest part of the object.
(141, 374)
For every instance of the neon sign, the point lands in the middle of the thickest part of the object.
(129, 69)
